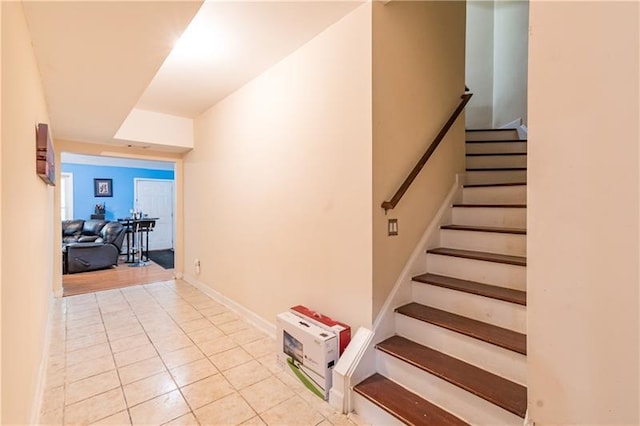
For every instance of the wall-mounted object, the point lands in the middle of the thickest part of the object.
(392, 227)
(45, 157)
(103, 187)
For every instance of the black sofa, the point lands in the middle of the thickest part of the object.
(81, 231)
(90, 245)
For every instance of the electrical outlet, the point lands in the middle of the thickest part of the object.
(196, 263)
(392, 227)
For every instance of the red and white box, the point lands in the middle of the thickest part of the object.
(307, 352)
(341, 330)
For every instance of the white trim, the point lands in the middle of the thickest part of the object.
(68, 190)
(42, 370)
(384, 325)
(513, 124)
(340, 393)
(528, 421)
(250, 316)
(416, 260)
(523, 132)
(517, 124)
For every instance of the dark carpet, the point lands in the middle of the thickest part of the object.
(163, 258)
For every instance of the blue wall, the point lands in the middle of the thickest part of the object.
(122, 201)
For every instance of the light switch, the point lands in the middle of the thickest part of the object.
(392, 227)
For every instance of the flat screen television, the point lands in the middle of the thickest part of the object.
(292, 347)
(45, 158)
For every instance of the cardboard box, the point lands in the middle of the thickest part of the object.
(307, 351)
(343, 331)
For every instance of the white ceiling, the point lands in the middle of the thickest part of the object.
(245, 38)
(99, 60)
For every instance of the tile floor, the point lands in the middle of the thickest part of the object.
(166, 353)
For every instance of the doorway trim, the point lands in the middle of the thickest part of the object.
(66, 182)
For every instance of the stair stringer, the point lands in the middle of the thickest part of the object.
(384, 324)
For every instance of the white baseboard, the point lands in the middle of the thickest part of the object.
(513, 124)
(247, 314)
(517, 124)
(523, 132)
(42, 370)
(384, 321)
(364, 364)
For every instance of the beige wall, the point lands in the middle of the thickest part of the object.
(511, 31)
(583, 225)
(1, 139)
(278, 187)
(27, 225)
(479, 64)
(418, 78)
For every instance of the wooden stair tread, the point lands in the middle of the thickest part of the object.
(518, 206)
(495, 389)
(496, 169)
(498, 141)
(500, 293)
(404, 404)
(494, 229)
(495, 154)
(479, 185)
(480, 255)
(491, 130)
(489, 333)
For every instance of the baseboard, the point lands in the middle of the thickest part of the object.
(250, 316)
(42, 370)
(384, 324)
(513, 124)
(517, 124)
(401, 288)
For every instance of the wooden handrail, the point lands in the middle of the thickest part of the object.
(388, 205)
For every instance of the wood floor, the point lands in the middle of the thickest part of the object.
(121, 276)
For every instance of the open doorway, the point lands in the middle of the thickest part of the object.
(98, 192)
(496, 63)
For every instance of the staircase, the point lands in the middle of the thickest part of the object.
(458, 355)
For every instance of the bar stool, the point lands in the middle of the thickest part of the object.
(141, 229)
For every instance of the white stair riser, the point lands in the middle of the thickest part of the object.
(371, 414)
(496, 161)
(516, 194)
(500, 274)
(499, 361)
(496, 147)
(507, 217)
(457, 401)
(492, 135)
(492, 242)
(497, 312)
(502, 176)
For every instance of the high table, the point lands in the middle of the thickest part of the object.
(140, 228)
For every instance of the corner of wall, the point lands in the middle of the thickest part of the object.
(418, 78)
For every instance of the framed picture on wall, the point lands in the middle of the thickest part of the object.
(103, 187)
